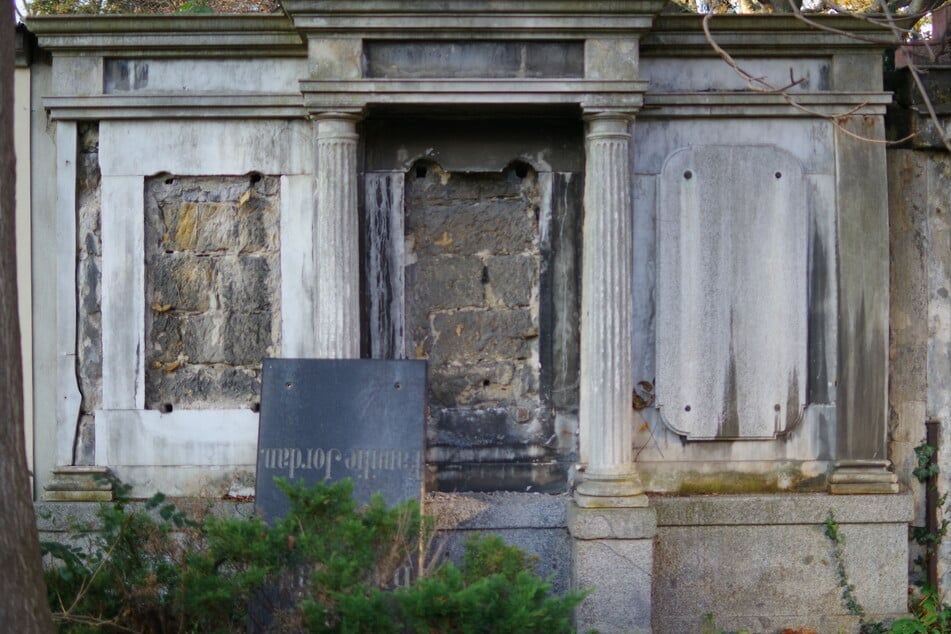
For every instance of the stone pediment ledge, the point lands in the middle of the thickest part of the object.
(681, 35)
(196, 36)
(354, 95)
(250, 35)
(479, 19)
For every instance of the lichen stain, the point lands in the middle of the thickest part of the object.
(817, 385)
(445, 240)
(793, 413)
(729, 426)
(735, 482)
(186, 229)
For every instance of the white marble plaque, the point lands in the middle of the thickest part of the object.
(732, 299)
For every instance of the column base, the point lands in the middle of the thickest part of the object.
(599, 491)
(78, 484)
(858, 477)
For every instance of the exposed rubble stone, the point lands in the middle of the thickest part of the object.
(472, 289)
(212, 287)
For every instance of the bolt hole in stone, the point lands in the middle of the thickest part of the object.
(687, 408)
(420, 171)
(255, 177)
(289, 386)
(166, 408)
(779, 175)
(397, 385)
(486, 383)
(255, 407)
(776, 407)
(688, 175)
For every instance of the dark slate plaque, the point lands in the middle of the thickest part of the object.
(326, 419)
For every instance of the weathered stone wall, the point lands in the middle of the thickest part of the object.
(472, 308)
(920, 334)
(212, 288)
(89, 300)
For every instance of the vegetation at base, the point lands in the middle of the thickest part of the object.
(923, 472)
(929, 613)
(330, 565)
(849, 600)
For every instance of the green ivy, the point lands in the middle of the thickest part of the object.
(929, 613)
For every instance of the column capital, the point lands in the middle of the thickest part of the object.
(342, 114)
(607, 115)
(330, 124)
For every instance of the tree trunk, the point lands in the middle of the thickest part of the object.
(23, 605)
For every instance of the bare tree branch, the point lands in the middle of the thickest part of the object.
(759, 84)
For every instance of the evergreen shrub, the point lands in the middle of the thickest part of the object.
(330, 565)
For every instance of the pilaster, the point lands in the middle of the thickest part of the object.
(862, 393)
(605, 412)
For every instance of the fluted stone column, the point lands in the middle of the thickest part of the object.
(336, 237)
(606, 414)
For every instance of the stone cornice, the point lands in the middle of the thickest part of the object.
(169, 36)
(757, 104)
(500, 19)
(219, 106)
(322, 96)
(762, 35)
(23, 44)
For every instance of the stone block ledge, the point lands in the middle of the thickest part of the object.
(612, 523)
(746, 510)
(497, 511)
(60, 517)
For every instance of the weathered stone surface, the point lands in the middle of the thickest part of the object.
(459, 385)
(621, 600)
(534, 522)
(450, 282)
(475, 336)
(232, 338)
(89, 290)
(472, 309)
(184, 283)
(469, 214)
(213, 288)
(465, 429)
(474, 59)
(779, 562)
(471, 228)
(732, 296)
(165, 338)
(205, 387)
(240, 280)
(86, 441)
(509, 280)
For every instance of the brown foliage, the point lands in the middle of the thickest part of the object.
(151, 7)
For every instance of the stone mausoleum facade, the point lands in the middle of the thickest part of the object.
(654, 299)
